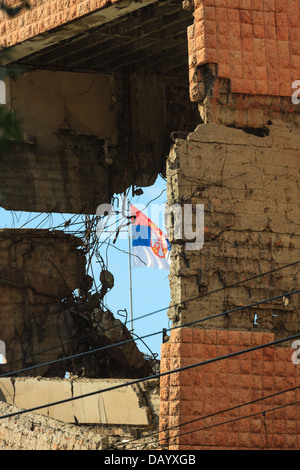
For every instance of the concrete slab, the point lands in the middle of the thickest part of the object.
(126, 406)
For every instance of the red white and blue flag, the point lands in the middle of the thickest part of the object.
(150, 247)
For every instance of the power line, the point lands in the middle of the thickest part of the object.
(156, 376)
(217, 413)
(269, 410)
(229, 286)
(157, 311)
(75, 356)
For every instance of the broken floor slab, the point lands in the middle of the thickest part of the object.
(47, 311)
(137, 405)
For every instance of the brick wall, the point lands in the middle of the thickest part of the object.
(255, 43)
(199, 393)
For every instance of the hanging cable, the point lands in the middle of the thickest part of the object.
(178, 304)
(156, 376)
(91, 351)
(211, 415)
(252, 415)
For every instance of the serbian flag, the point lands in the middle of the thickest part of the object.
(150, 247)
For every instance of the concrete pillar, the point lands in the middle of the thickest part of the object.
(248, 186)
(242, 163)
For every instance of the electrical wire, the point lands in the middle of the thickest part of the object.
(172, 306)
(93, 351)
(252, 415)
(201, 418)
(229, 286)
(190, 323)
(93, 245)
(152, 377)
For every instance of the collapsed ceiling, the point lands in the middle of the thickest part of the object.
(68, 164)
(110, 90)
(153, 38)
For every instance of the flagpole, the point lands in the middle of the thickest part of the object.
(130, 276)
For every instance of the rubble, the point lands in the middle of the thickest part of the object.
(48, 312)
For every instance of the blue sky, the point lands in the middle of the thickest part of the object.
(150, 287)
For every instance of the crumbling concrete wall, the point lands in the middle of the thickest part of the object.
(88, 137)
(33, 432)
(49, 312)
(37, 270)
(220, 405)
(241, 163)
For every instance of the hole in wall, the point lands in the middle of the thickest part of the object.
(258, 132)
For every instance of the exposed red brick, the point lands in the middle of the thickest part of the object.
(209, 389)
(255, 43)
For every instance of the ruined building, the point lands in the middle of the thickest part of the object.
(97, 99)
(113, 93)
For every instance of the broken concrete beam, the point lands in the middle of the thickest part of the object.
(137, 405)
(47, 312)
